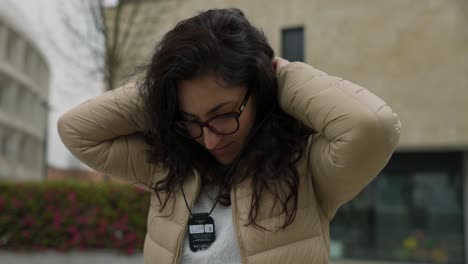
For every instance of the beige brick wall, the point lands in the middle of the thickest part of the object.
(412, 53)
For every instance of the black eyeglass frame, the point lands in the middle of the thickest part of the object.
(235, 115)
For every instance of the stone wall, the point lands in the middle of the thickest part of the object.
(413, 54)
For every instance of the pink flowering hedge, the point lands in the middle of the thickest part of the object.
(72, 215)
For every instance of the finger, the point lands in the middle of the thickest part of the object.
(274, 62)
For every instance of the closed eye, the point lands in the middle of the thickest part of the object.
(189, 117)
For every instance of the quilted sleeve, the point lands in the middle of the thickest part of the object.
(357, 132)
(105, 133)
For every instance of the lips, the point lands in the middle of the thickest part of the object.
(221, 150)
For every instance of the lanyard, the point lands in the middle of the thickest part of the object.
(201, 226)
(227, 179)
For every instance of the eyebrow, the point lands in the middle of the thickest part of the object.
(211, 111)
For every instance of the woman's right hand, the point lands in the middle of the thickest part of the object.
(278, 63)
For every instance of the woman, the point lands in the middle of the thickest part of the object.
(248, 157)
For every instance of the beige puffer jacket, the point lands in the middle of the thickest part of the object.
(357, 134)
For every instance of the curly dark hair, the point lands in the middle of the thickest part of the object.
(224, 42)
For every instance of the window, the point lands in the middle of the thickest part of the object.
(3, 40)
(8, 103)
(40, 154)
(21, 149)
(3, 86)
(43, 116)
(26, 104)
(412, 212)
(20, 99)
(6, 141)
(2, 151)
(27, 59)
(12, 46)
(43, 77)
(36, 111)
(293, 44)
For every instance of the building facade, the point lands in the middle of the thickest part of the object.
(24, 89)
(414, 55)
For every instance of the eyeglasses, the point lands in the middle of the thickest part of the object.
(224, 124)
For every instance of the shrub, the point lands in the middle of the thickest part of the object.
(72, 215)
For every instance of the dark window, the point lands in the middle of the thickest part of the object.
(4, 83)
(293, 44)
(12, 46)
(412, 212)
(6, 141)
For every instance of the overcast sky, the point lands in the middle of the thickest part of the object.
(69, 84)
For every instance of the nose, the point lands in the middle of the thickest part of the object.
(210, 139)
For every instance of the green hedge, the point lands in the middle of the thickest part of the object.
(72, 215)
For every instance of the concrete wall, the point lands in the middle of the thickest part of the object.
(24, 89)
(413, 54)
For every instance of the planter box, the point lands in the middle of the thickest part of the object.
(74, 257)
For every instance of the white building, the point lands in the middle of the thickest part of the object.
(24, 90)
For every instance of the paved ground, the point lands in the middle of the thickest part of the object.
(7, 257)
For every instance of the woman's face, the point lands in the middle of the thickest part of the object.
(207, 96)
